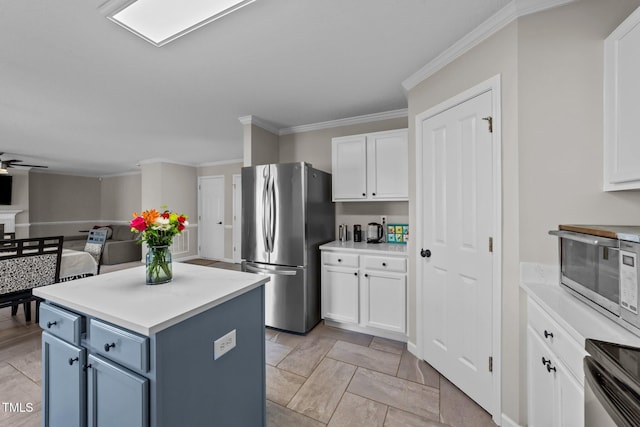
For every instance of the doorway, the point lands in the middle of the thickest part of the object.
(211, 217)
(458, 181)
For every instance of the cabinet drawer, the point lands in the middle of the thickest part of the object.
(570, 352)
(398, 265)
(340, 258)
(119, 345)
(62, 323)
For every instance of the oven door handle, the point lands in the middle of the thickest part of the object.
(587, 238)
(622, 409)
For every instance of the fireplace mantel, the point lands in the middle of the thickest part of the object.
(8, 218)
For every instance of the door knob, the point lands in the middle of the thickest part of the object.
(219, 222)
(425, 253)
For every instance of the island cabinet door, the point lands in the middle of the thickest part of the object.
(63, 383)
(115, 396)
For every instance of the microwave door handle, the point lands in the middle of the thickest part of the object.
(586, 238)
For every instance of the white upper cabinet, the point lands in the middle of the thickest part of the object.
(622, 106)
(371, 166)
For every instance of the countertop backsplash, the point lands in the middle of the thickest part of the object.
(531, 272)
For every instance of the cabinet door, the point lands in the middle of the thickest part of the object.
(340, 294)
(115, 396)
(384, 301)
(621, 106)
(63, 383)
(571, 399)
(388, 168)
(348, 167)
(541, 382)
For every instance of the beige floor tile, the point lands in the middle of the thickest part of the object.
(290, 340)
(390, 346)
(320, 395)
(16, 388)
(416, 370)
(278, 416)
(29, 364)
(306, 356)
(274, 352)
(458, 410)
(282, 385)
(341, 335)
(398, 418)
(366, 357)
(21, 345)
(356, 411)
(402, 394)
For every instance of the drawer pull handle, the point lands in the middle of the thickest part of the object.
(550, 368)
(366, 275)
(364, 194)
(72, 360)
(50, 324)
(107, 347)
(355, 274)
(85, 367)
(384, 264)
(339, 259)
(548, 334)
(545, 361)
(373, 194)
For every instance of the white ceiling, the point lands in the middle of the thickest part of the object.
(82, 95)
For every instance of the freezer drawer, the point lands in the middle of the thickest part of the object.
(292, 303)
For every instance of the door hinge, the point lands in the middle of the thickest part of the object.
(489, 119)
(490, 363)
(490, 244)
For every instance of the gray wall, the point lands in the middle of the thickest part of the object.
(62, 204)
(120, 196)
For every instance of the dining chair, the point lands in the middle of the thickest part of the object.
(26, 264)
(95, 245)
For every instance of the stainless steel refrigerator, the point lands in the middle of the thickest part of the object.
(287, 214)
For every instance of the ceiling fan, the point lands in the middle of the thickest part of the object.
(6, 164)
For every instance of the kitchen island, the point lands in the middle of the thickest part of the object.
(122, 353)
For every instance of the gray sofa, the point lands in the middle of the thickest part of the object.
(122, 245)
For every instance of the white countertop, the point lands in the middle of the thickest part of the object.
(363, 247)
(580, 320)
(123, 298)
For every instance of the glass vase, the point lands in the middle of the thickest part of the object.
(158, 263)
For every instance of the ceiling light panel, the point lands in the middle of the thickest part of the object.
(161, 21)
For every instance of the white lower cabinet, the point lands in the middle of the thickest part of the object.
(555, 384)
(365, 292)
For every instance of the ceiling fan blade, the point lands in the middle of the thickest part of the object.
(31, 166)
(12, 161)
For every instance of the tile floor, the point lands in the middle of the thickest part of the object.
(330, 377)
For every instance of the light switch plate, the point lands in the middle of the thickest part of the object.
(224, 344)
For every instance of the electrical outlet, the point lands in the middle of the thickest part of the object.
(383, 220)
(224, 344)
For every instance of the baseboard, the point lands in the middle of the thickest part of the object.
(413, 349)
(508, 422)
(370, 331)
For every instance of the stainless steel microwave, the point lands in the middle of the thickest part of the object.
(599, 265)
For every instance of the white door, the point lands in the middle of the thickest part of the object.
(456, 187)
(237, 218)
(211, 217)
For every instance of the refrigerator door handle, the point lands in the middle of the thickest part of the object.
(265, 201)
(269, 271)
(272, 214)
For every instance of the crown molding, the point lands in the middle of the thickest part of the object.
(394, 114)
(221, 163)
(256, 121)
(512, 11)
(162, 160)
(115, 175)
